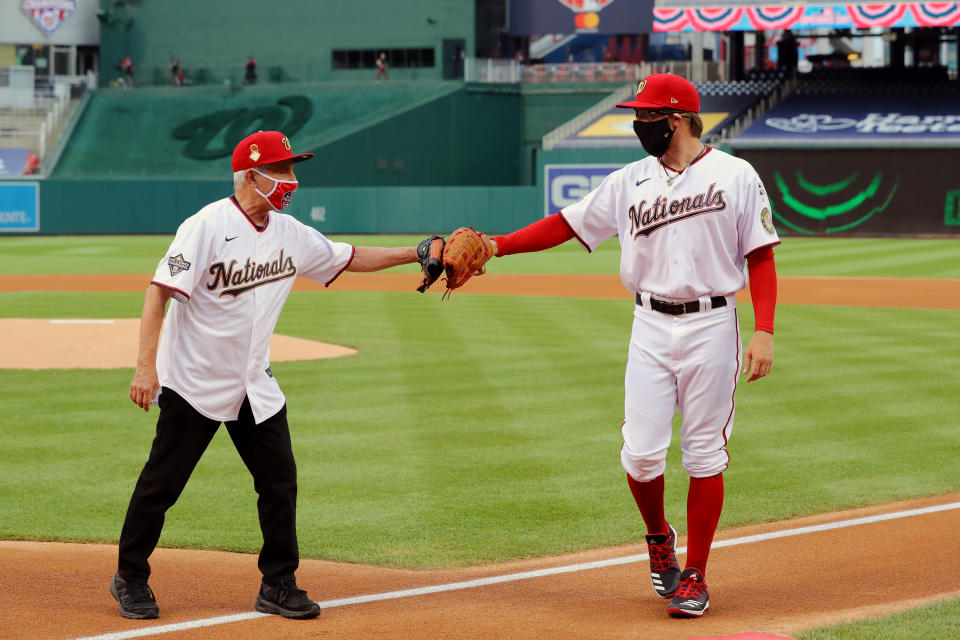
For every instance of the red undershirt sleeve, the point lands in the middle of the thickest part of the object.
(763, 287)
(542, 234)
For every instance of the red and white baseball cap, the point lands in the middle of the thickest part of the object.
(665, 91)
(264, 147)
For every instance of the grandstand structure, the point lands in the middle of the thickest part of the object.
(36, 123)
(473, 120)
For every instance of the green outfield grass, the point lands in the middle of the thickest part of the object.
(849, 257)
(940, 621)
(487, 427)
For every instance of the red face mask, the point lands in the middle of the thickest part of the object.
(281, 194)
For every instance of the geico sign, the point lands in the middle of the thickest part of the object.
(566, 184)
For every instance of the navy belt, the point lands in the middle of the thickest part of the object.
(680, 308)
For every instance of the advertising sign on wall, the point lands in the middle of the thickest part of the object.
(19, 207)
(861, 192)
(850, 119)
(536, 17)
(566, 184)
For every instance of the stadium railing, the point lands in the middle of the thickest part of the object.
(510, 71)
(38, 126)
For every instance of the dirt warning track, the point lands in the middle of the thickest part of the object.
(778, 577)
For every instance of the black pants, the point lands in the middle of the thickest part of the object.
(182, 436)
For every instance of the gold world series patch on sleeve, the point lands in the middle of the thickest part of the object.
(177, 264)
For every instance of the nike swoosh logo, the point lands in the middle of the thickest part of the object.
(640, 182)
(233, 238)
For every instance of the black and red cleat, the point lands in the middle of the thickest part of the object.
(691, 599)
(664, 570)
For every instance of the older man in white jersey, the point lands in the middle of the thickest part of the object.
(230, 268)
(691, 222)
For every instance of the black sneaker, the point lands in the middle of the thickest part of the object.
(664, 570)
(287, 600)
(691, 600)
(136, 599)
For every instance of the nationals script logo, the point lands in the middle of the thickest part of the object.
(647, 217)
(48, 14)
(241, 278)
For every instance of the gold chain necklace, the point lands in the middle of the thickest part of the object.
(670, 179)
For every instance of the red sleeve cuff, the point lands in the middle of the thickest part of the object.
(353, 252)
(182, 297)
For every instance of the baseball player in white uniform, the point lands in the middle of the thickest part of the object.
(691, 222)
(230, 269)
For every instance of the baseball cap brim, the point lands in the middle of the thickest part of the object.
(302, 157)
(641, 104)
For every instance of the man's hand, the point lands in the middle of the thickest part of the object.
(143, 387)
(758, 358)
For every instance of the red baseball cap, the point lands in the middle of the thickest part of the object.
(665, 91)
(264, 147)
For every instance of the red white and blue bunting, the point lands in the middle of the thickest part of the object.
(775, 17)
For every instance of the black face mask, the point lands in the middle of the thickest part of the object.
(654, 136)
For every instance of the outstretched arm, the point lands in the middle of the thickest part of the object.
(366, 259)
(542, 234)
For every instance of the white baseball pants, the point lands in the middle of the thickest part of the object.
(689, 363)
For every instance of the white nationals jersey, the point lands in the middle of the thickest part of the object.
(233, 279)
(684, 240)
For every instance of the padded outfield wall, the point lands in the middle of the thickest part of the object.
(159, 206)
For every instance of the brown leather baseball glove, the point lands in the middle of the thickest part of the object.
(464, 256)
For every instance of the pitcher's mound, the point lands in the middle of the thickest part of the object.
(111, 344)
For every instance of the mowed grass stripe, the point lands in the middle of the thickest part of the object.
(485, 428)
(870, 257)
(850, 257)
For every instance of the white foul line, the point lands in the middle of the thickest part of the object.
(523, 575)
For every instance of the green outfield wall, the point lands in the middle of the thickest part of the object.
(159, 206)
(480, 135)
(159, 132)
(364, 134)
